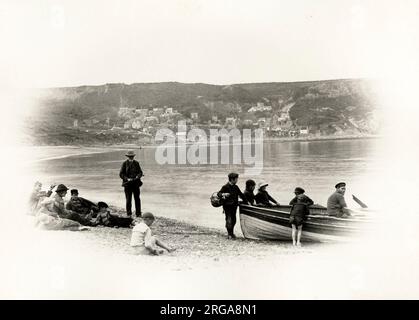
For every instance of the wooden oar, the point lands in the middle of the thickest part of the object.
(363, 205)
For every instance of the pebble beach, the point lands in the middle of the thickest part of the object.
(99, 264)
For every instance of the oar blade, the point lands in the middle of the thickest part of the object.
(363, 205)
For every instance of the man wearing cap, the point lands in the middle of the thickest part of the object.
(336, 204)
(230, 192)
(131, 174)
(80, 205)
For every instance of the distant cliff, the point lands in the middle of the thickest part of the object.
(326, 106)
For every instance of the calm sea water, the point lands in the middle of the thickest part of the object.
(183, 191)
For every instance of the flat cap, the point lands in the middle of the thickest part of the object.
(340, 184)
(299, 190)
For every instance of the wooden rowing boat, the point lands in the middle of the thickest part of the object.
(272, 223)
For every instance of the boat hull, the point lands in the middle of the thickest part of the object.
(273, 224)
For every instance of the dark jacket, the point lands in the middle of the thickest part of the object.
(233, 198)
(307, 201)
(263, 198)
(130, 170)
(112, 221)
(335, 204)
(300, 209)
(81, 205)
(250, 196)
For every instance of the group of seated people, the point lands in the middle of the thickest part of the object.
(299, 210)
(264, 199)
(52, 213)
(261, 198)
(78, 214)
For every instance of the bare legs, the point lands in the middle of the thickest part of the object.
(300, 229)
(156, 242)
(163, 245)
(296, 235)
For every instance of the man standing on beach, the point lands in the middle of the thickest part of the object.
(131, 174)
(230, 192)
(336, 204)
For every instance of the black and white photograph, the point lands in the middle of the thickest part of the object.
(209, 150)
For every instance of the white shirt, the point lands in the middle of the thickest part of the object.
(139, 234)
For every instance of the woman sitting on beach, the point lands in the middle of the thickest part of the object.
(142, 241)
(48, 216)
(263, 198)
(37, 196)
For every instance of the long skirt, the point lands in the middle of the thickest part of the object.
(48, 222)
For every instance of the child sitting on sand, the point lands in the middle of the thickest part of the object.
(299, 212)
(142, 241)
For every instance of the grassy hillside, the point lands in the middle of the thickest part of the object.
(315, 103)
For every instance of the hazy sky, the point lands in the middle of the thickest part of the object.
(67, 43)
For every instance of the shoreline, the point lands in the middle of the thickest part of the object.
(266, 139)
(324, 138)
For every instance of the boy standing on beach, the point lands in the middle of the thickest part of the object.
(230, 192)
(142, 241)
(299, 212)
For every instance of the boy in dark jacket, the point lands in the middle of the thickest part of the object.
(230, 192)
(298, 214)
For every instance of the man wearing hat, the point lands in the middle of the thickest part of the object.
(336, 204)
(131, 174)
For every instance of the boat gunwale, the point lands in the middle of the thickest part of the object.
(308, 222)
(318, 216)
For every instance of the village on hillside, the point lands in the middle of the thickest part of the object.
(143, 122)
